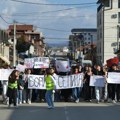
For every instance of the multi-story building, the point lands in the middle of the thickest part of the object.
(4, 48)
(31, 36)
(89, 35)
(108, 22)
(81, 38)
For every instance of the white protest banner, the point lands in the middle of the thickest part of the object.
(4, 73)
(98, 81)
(113, 77)
(37, 62)
(29, 62)
(36, 82)
(20, 67)
(62, 82)
(70, 81)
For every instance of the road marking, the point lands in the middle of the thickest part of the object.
(66, 112)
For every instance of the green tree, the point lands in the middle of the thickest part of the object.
(21, 45)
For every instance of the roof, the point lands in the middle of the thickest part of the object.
(80, 30)
(21, 27)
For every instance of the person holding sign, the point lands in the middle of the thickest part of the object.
(50, 86)
(113, 89)
(98, 90)
(76, 90)
(12, 87)
(87, 87)
(27, 93)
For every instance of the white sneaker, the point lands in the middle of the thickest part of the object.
(49, 107)
(113, 101)
(20, 103)
(24, 101)
(77, 101)
(29, 102)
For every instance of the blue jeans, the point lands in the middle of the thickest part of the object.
(48, 97)
(20, 96)
(76, 93)
(98, 92)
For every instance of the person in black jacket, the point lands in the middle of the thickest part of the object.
(113, 89)
(87, 87)
(98, 90)
(13, 87)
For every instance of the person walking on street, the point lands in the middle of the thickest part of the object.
(50, 86)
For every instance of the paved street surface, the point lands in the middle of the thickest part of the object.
(62, 111)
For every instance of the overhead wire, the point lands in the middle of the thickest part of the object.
(90, 4)
(50, 17)
(4, 20)
(62, 4)
(51, 29)
(34, 13)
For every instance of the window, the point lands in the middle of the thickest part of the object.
(89, 33)
(85, 38)
(107, 3)
(100, 20)
(119, 17)
(118, 3)
(119, 32)
(89, 38)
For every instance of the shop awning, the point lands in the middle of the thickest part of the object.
(5, 59)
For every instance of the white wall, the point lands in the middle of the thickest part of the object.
(110, 31)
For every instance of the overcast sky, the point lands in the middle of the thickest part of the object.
(49, 20)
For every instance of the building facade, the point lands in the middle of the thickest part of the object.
(81, 39)
(4, 48)
(108, 33)
(31, 36)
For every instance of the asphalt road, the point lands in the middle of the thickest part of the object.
(62, 111)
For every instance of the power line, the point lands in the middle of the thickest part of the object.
(34, 13)
(78, 4)
(51, 17)
(4, 20)
(51, 29)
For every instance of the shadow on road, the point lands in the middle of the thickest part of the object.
(63, 112)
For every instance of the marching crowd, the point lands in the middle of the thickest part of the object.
(15, 90)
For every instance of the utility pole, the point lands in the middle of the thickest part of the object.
(14, 45)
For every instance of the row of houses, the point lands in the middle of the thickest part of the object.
(30, 43)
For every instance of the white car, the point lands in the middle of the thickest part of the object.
(62, 65)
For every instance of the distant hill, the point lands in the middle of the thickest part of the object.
(58, 44)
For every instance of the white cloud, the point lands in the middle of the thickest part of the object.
(61, 21)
